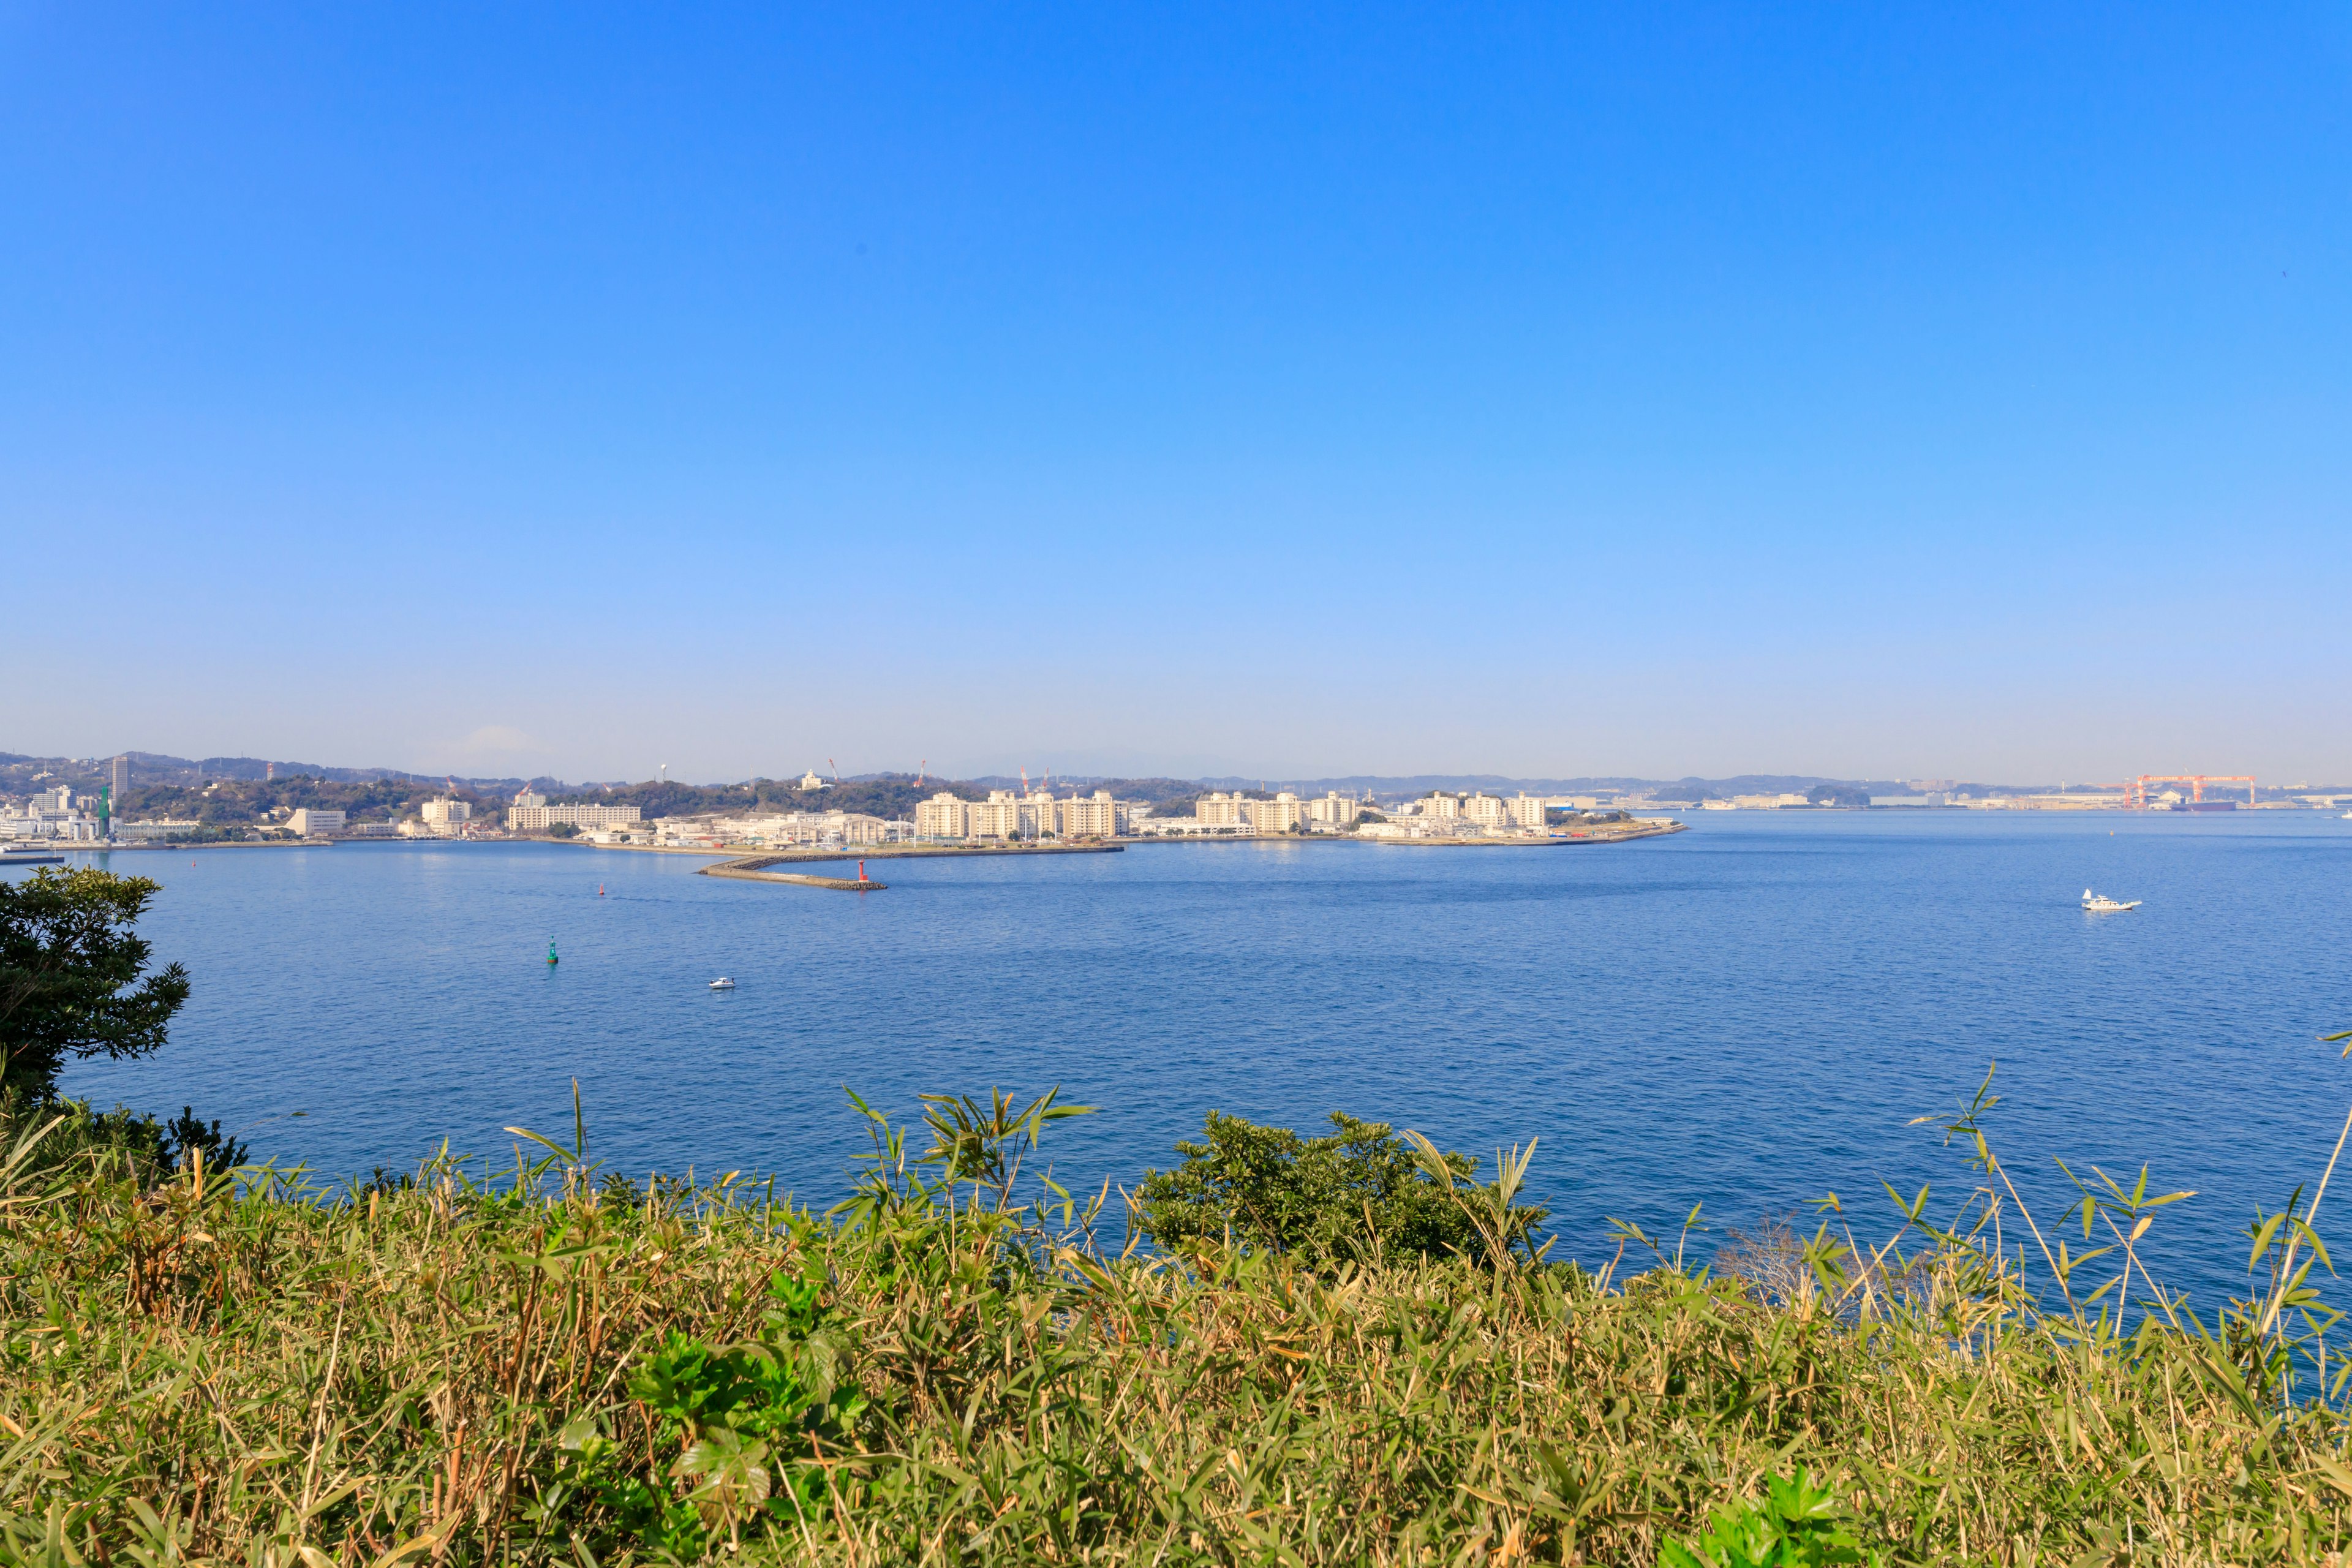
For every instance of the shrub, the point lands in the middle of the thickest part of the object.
(1363, 1191)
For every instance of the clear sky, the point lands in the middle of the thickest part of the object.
(1951, 391)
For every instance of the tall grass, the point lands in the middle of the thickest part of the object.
(963, 1365)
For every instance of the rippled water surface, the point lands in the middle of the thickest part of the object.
(1744, 1016)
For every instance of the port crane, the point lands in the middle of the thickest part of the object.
(2135, 792)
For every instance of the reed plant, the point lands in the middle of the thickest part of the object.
(966, 1363)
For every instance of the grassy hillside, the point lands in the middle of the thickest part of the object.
(553, 1366)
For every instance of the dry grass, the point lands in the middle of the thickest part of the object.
(224, 1371)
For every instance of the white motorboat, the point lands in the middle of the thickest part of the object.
(2100, 904)
(722, 983)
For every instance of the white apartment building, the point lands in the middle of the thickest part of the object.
(1082, 819)
(998, 816)
(944, 815)
(540, 819)
(1281, 814)
(448, 816)
(1439, 805)
(1527, 810)
(1005, 815)
(310, 822)
(1486, 810)
(1220, 810)
(1334, 808)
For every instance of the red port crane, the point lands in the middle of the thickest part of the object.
(2135, 792)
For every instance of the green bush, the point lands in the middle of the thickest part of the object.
(1363, 1192)
(1798, 1525)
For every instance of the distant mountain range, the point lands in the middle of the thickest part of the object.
(18, 774)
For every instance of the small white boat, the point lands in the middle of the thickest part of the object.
(2099, 904)
(722, 983)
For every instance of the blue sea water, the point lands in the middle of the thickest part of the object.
(1743, 1016)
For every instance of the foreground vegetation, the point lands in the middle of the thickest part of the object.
(555, 1366)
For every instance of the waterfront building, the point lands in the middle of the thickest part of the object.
(1485, 810)
(1220, 810)
(1148, 827)
(540, 819)
(1080, 818)
(944, 815)
(1527, 810)
(311, 822)
(1439, 806)
(447, 817)
(145, 832)
(48, 822)
(1335, 809)
(1007, 815)
(118, 777)
(1283, 812)
(998, 816)
(795, 827)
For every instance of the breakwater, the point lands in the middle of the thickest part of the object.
(912, 852)
(742, 872)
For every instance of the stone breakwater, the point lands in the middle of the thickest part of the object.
(747, 870)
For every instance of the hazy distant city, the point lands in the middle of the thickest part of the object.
(142, 798)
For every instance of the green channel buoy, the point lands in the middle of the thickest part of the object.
(550, 951)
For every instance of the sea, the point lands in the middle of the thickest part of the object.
(1743, 1019)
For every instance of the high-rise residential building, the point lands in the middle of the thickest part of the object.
(1439, 806)
(1486, 811)
(1220, 810)
(540, 819)
(118, 779)
(998, 816)
(1283, 812)
(446, 816)
(942, 816)
(1006, 814)
(1338, 809)
(1080, 818)
(1527, 810)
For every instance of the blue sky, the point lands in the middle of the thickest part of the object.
(1954, 392)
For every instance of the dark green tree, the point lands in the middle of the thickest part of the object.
(1324, 1200)
(74, 979)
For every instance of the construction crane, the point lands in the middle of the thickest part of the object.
(921, 771)
(2136, 793)
(836, 769)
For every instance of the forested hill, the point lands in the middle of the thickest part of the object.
(232, 803)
